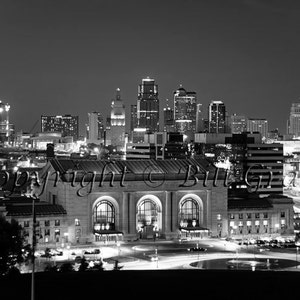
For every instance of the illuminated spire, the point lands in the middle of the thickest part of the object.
(118, 96)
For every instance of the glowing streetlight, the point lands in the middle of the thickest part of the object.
(297, 248)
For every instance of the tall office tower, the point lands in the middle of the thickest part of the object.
(293, 127)
(133, 117)
(68, 125)
(200, 120)
(169, 125)
(117, 122)
(185, 109)
(217, 117)
(95, 128)
(258, 125)
(133, 121)
(5, 127)
(238, 123)
(148, 105)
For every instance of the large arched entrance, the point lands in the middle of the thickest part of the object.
(191, 217)
(148, 217)
(104, 220)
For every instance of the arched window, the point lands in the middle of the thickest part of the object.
(147, 212)
(104, 216)
(189, 213)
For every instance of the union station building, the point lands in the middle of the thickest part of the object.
(140, 199)
(89, 201)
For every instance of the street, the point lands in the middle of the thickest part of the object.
(161, 254)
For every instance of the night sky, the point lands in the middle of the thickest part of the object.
(68, 57)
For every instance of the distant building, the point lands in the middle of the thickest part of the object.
(169, 124)
(95, 129)
(117, 122)
(133, 116)
(185, 109)
(200, 119)
(68, 125)
(41, 139)
(138, 135)
(217, 117)
(258, 125)
(159, 146)
(293, 124)
(6, 129)
(238, 123)
(140, 151)
(148, 105)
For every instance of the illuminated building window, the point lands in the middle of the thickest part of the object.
(189, 213)
(57, 223)
(241, 216)
(104, 216)
(219, 217)
(282, 223)
(282, 214)
(257, 215)
(77, 222)
(248, 215)
(147, 212)
(57, 235)
(266, 215)
(26, 223)
(231, 216)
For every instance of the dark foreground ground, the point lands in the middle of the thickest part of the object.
(185, 284)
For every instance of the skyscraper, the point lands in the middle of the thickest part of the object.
(293, 126)
(258, 125)
(95, 128)
(5, 127)
(169, 125)
(117, 122)
(200, 120)
(238, 123)
(185, 109)
(217, 117)
(68, 125)
(148, 105)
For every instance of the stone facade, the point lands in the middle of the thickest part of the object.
(167, 207)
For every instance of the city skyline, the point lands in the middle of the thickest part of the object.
(70, 57)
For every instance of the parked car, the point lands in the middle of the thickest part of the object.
(260, 242)
(78, 259)
(92, 251)
(196, 249)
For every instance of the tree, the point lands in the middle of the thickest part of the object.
(83, 265)
(66, 267)
(11, 244)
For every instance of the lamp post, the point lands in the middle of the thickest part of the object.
(33, 249)
(68, 249)
(119, 248)
(297, 248)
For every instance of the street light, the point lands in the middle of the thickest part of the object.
(119, 248)
(33, 248)
(68, 248)
(297, 248)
